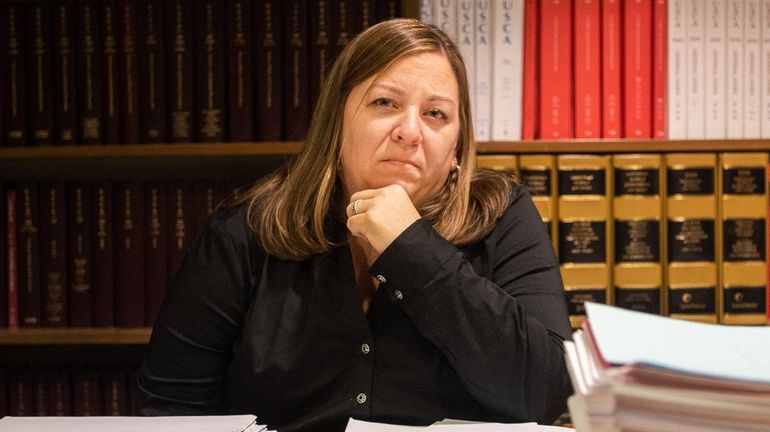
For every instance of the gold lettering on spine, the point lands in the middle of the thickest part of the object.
(91, 125)
(13, 54)
(128, 217)
(240, 46)
(65, 46)
(152, 41)
(296, 42)
(109, 55)
(323, 40)
(179, 227)
(269, 45)
(101, 220)
(181, 117)
(39, 53)
(28, 227)
(54, 286)
(129, 51)
(211, 121)
(80, 283)
(155, 227)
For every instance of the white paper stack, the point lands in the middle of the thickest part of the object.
(640, 372)
(229, 423)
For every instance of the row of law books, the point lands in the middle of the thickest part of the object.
(642, 69)
(62, 391)
(678, 234)
(637, 372)
(96, 253)
(155, 71)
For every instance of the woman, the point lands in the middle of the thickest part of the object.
(377, 276)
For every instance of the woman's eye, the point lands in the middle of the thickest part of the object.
(383, 102)
(436, 113)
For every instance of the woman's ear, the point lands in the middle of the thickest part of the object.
(455, 165)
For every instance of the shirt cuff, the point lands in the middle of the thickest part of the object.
(413, 259)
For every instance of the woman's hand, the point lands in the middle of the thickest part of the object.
(378, 216)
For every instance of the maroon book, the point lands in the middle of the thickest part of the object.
(344, 29)
(296, 95)
(20, 399)
(129, 254)
(268, 60)
(240, 70)
(30, 296)
(182, 214)
(151, 59)
(3, 258)
(14, 84)
(12, 288)
(207, 196)
(53, 256)
(89, 72)
(210, 69)
(59, 393)
(322, 51)
(40, 59)
(128, 99)
(64, 73)
(111, 69)
(158, 228)
(179, 72)
(115, 391)
(79, 254)
(364, 15)
(40, 395)
(102, 254)
(88, 394)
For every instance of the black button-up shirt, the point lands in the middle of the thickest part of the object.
(471, 333)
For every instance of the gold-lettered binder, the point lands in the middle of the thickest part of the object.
(538, 174)
(498, 162)
(584, 236)
(638, 233)
(743, 206)
(692, 233)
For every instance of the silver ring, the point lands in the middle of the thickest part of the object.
(354, 209)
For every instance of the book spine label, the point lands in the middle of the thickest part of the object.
(538, 174)
(128, 67)
(13, 276)
(240, 70)
(507, 35)
(735, 68)
(269, 71)
(14, 84)
(29, 255)
(102, 254)
(752, 80)
(696, 71)
(64, 75)
(53, 240)
(483, 69)
(659, 68)
(691, 211)
(129, 256)
(158, 234)
(677, 69)
(637, 63)
(179, 74)
(588, 60)
(638, 237)
(611, 69)
(583, 231)
(531, 71)
(743, 260)
(556, 69)
(296, 62)
(89, 73)
(716, 69)
(111, 68)
(80, 267)
(40, 55)
(152, 98)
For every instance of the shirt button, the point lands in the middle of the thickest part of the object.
(397, 294)
(381, 278)
(361, 398)
(365, 348)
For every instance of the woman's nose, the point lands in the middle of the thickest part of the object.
(407, 129)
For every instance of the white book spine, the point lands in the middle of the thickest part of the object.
(483, 69)
(765, 72)
(446, 14)
(677, 69)
(466, 32)
(696, 72)
(508, 36)
(751, 61)
(735, 75)
(716, 69)
(426, 11)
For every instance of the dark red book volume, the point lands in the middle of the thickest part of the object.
(3, 259)
(210, 71)
(88, 394)
(111, 67)
(30, 297)
(152, 97)
(365, 14)
(53, 256)
(115, 391)
(128, 69)
(60, 394)
(240, 70)
(296, 96)
(182, 211)
(40, 57)
(12, 288)
(102, 253)
(344, 29)
(64, 73)
(88, 26)
(129, 255)
(179, 73)
(20, 400)
(40, 395)
(14, 84)
(79, 256)
(269, 70)
(158, 228)
(322, 52)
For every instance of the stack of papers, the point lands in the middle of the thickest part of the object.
(451, 426)
(634, 371)
(230, 423)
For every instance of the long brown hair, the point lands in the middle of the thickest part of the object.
(291, 210)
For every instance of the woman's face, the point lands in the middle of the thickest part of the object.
(401, 127)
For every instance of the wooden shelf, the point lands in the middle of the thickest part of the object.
(75, 336)
(623, 146)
